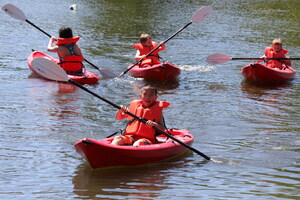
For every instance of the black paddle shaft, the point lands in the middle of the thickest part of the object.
(143, 120)
(32, 24)
(155, 48)
(267, 58)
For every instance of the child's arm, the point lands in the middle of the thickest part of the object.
(264, 57)
(77, 50)
(137, 55)
(121, 113)
(50, 47)
(160, 124)
(162, 121)
(287, 62)
(162, 47)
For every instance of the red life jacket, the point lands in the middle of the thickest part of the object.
(153, 58)
(153, 113)
(61, 41)
(72, 63)
(270, 53)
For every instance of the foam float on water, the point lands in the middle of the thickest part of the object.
(73, 7)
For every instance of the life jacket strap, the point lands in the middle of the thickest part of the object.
(70, 47)
(61, 62)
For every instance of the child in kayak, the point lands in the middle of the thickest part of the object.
(68, 51)
(276, 51)
(136, 132)
(144, 47)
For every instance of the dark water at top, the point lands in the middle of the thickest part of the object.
(253, 129)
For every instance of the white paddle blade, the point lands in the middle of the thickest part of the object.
(217, 58)
(14, 12)
(107, 74)
(201, 14)
(48, 69)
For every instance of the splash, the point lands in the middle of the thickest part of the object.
(197, 68)
(225, 161)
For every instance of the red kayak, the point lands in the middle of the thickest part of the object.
(261, 73)
(161, 72)
(101, 153)
(86, 78)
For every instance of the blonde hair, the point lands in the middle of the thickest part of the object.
(144, 37)
(277, 41)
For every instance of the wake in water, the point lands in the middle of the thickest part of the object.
(217, 161)
(225, 161)
(197, 68)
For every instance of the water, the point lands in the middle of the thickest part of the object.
(252, 129)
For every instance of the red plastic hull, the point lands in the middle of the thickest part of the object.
(87, 78)
(161, 72)
(261, 73)
(100, 153)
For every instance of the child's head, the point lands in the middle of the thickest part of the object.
(148, 95)
(146, 40)
(65, 32)
(277, 44)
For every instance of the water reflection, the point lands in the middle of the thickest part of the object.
(62, 87)
(263, 88)
(269, 106)
(285, 180)
(57, 100)
(129, 182)
(272, 95)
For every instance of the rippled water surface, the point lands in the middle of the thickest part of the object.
(252, 129)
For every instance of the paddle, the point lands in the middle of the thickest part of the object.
(47, 68)
(223, 58)
(16, 13)
(200, 15)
